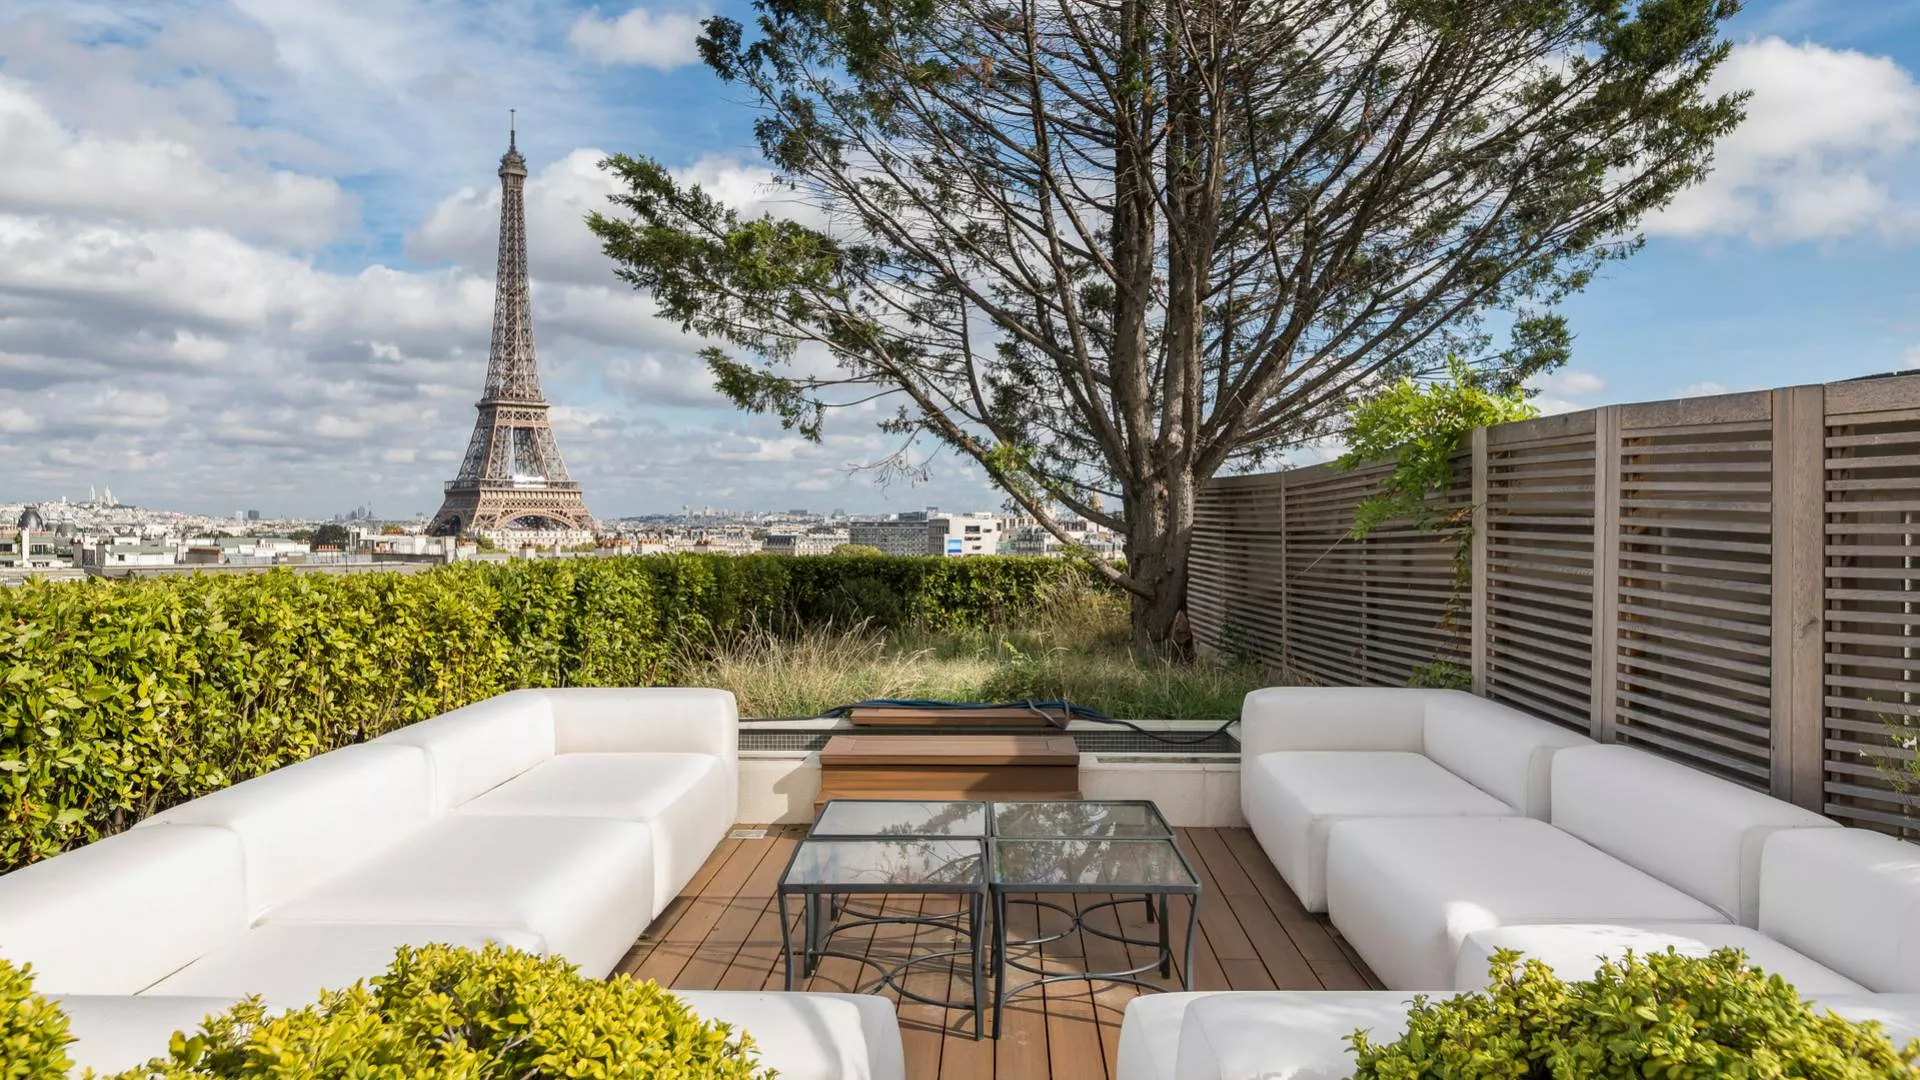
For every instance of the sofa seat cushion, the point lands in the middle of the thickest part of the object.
(812, 1036)
(116, 1032)
(1150, 1034)
(1899, 1014)
(1283, 1035)
(1291, 799)
(290, 963)
(584, 885)
(1574, 951)
(682, 797)
(1407, 891)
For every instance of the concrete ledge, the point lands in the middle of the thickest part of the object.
(1195, 791)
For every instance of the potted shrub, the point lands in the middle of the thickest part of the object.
(438, 1012)
(1664, 1015)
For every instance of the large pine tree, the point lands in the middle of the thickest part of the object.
(1109, 248)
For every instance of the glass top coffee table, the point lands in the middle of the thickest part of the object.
(993, 854)
(1121, 848)
(882, 846)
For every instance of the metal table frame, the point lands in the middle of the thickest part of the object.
(989, 898)
(821, 909)
(1005, 894)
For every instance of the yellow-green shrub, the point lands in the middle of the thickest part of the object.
(119, 699)
(1663, 1016)
(33, 1030)
(444, 1013)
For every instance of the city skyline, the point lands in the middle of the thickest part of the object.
(246, 250)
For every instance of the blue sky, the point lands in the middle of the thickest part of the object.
(246, 249)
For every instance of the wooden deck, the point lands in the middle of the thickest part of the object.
(723, 933)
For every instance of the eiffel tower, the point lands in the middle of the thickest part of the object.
(512, 476)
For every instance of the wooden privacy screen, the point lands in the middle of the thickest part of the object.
(1283, 584)
(1730, 581)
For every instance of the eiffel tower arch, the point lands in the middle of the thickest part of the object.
(512, 477)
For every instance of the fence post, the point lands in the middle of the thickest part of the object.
(1799, 572)
(1286, 584)
(1477, 562)
(1606, 571)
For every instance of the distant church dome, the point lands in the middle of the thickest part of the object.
(30, 519)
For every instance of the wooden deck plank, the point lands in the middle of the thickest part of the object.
(962, 1055)
(664, 922)
(758, 957)
(923, 1026)
(1331, 959)
(1224, 957)
(724, 933)
(681, 943)
(738, 915)
(1237, 893)
(1021, 1050)
(1109, 999)
(1073, 1036)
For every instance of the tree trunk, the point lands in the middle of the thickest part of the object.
(1158, 542)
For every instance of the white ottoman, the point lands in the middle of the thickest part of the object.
(1284, 1035)
(806, 1036)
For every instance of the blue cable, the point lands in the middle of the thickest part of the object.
(1047, 709)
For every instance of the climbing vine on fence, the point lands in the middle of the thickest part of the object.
(1421, 427)
(119, 699)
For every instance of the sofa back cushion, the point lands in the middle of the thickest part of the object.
(1500, 750)
(1698, 833)
(309, 821)
(121, 914)
(473, 750)
(1331, 718)
(1847, 898)
(650, 720)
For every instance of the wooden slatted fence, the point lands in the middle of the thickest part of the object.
(1730, 581)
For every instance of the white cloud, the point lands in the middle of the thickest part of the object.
(17, 421)
(1566, 390)
(1829, 136)
(1572, 382)
(153, 179)
(663, 41)
(1701, 389)
(1912, 356)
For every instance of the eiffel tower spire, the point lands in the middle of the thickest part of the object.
(512, 476)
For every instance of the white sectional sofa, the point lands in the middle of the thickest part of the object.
(1314, 756)
(554, 821)
(1634, 839)
(1426, 881)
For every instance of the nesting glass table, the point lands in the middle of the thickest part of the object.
(993, 855)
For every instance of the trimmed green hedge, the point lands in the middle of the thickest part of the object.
(119, 699)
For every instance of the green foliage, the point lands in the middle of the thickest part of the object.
(1664, 1015)
(1899, 762)
(456, 1014)
(120, 699)
(1419, 426)
(856, 549)
(1440, 675)
(33, 1030)
(1074, 647)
